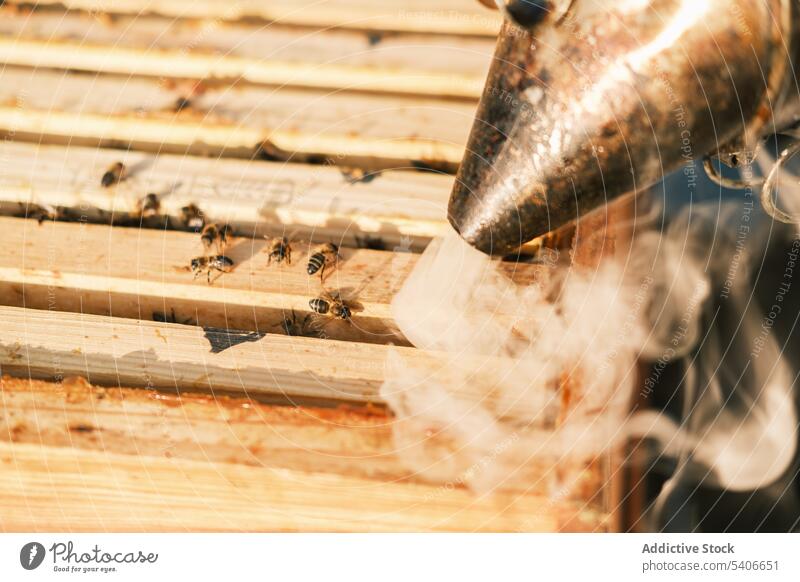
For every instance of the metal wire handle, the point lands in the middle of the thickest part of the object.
(769, 189)
(732, 183)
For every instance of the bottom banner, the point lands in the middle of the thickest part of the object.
(354, 557)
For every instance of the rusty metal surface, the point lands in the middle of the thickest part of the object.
(611, 97)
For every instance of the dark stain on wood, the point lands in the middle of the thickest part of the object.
(221, 339)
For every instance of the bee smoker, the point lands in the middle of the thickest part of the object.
(588, 100)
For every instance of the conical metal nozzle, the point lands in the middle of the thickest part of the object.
(610, 98)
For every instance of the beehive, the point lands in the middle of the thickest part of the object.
(138, 398)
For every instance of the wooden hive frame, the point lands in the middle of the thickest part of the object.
(441, 16)
(136, 398)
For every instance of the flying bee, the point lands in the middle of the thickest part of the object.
(192, 217)
(114, 175)
(280, 250)
(219, 263)
(321, 257)
(216, 236)
(331, 304)
(148, 206)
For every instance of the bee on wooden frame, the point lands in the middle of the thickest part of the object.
(209, 264)
(356, 175)
(114, 175)
(333, 305)
(321, 257)
(182, 103)
(279, 249)
(171, 317)
(148, 206)
(42, 212)
(373, 243)
(294, 326)
(215, 236)
(192, 217)
(187, 99)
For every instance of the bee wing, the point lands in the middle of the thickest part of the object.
(355, 306)
(329, 295)
(221, 245)
(225, 234)
(351, 294)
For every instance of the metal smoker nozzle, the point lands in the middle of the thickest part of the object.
(600, 98)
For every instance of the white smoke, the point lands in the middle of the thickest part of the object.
(737, 428)
(541, 377)
(538, 377)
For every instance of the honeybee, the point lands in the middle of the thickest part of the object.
(182, 103)
(170, 317)
(192, 217)
(114, 175)
(216, 236)
(219, 263)
(280, 250)
(331, 304)
(148, 206)
(42, 212)
(293, 326)
(356, 175)
(187, 97)
(374, 243)
(321, 257)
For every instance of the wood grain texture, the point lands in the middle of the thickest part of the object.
(112, 351)
(244, 121)
(430, 16)
(346, 440)
(266, 54)
(201, 460)
(405, 209)
(62, 489)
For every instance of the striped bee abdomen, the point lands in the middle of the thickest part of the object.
(319, 305)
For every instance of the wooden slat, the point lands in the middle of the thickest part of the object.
(61, 489)
(128, 272)
(378, 130)
(261, 42)
(274, 55)
(327, 455)
(113, 351)
(136, 273)
(178, 64)
(346, 440)
(436, 16)
(404, 209)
